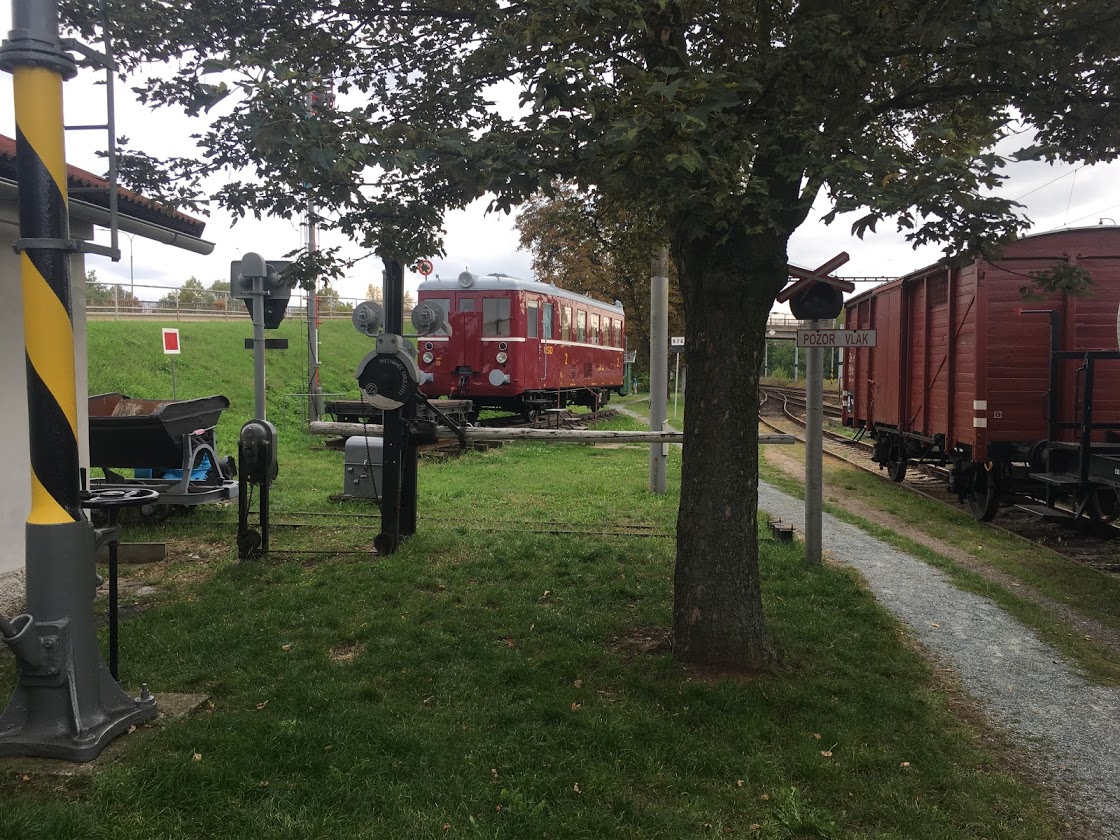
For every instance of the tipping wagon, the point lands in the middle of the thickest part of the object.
(168, 444)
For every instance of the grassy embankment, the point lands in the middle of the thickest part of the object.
(497, 677)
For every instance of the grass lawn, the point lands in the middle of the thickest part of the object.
(501, 677)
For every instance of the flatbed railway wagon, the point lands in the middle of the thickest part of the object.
(520, 345)
(1019, 394)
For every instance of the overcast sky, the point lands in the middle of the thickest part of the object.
(1054, 196)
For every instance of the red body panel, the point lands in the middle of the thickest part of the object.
(957, 356)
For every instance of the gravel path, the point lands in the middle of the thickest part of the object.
(1020, 681)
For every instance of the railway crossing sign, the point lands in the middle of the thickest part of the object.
(816, 295)
(836, 338)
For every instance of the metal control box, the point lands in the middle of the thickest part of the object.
(362, 468)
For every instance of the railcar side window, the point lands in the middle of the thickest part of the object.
(565, 323)
(594, 328)
(531, 320)
(495, 316)
(608, 332)
(546, 321)
(618, 334)
(581, 326)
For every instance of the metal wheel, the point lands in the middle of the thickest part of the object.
(1104, 503)
(983, 500)
(896, 464)
(155, 512)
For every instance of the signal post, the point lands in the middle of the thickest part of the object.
(66, 703)
(815, 296)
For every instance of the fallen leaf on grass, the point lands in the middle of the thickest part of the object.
(575, 788)
(286, 647)
(576, 707)
(765, 797)
(826, 753)
(261, 705)
(738, 783)
(197, 756)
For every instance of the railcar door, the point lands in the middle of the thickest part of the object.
(466, 336)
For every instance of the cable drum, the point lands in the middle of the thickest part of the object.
(388, 380)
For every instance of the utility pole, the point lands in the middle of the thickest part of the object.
(314, 389)
(658, 367)
(315, 96)
(66, 704)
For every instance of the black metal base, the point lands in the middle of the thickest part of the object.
(66, 704)
(26, 731)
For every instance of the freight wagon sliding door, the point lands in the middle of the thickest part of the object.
(1017, 355)
(1093, 322)
(929, 396)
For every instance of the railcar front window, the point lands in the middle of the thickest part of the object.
(531, 320)
(495, 316)
(445, 305)
(466, 304)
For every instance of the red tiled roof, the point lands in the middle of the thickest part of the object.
(129, 203)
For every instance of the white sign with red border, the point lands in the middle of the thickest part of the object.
(171, 341)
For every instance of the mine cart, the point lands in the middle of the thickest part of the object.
(168, 444)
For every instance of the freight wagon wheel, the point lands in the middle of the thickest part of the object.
(983, 501)
(896, 463)
(1104, 503)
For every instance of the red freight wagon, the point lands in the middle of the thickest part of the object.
(521, 345)
(1018, 395)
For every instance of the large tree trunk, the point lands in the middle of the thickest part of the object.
(728, 288)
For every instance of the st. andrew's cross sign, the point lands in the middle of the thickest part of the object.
(816, 295)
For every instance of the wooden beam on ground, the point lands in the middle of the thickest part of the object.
(477, 434)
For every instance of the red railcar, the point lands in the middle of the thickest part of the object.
(521, 345)
(1018, 395)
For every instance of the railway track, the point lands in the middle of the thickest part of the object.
(1098, 548)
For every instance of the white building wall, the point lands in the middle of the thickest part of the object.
(15, 490)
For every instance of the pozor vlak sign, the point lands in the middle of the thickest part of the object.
(836, 338)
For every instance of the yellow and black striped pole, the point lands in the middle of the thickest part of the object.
(52, 404)
(66, 704)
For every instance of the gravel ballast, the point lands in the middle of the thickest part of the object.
(1071, 726)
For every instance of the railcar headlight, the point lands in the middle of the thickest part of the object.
(501, 357)
(427, 357)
